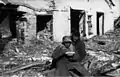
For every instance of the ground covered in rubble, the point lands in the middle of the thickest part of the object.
(26, 60)
(19, 60)
(105, 53)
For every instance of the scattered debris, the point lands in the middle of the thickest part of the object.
(23, 57)
(31, 60)
(105, 52)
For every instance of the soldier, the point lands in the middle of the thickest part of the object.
(61, 57)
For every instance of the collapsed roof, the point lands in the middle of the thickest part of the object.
(37, 5)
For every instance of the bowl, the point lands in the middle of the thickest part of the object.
(70, 52)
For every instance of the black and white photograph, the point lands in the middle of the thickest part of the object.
(59, 38)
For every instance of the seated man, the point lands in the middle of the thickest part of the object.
(80, 53)
(61, 57)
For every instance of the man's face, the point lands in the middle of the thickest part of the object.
(75, 38)
(67, 44)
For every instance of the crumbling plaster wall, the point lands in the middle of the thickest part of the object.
(62, 19)
(109, 14)
(61, 24)
(26, 29)
(31, 15)
(101, 6)
(61, 15)
(30, 30)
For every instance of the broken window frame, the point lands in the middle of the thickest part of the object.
(49, 34)
(89, 22)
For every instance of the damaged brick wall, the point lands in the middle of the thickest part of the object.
(31, 26)
(26, 28)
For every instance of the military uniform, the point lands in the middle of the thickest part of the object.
(65, 65)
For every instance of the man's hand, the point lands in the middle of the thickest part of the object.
(70, 53)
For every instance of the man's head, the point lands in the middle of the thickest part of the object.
(66, 41)
(75, 36)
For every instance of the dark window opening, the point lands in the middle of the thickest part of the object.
(45, 24)
(11, 11)
(89, 22)
(42, 21)
(8, 18)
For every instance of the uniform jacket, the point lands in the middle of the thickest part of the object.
(64, 63)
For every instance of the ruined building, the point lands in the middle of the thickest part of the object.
(58, 17)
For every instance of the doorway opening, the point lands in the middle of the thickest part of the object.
(78, 21)
(45, 25)
(100, 23)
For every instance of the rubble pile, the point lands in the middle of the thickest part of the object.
(24, 56)
(108, 42)
(101, 61)
(104, 51)
(31, 52)
(30, 60)
(36, 49)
